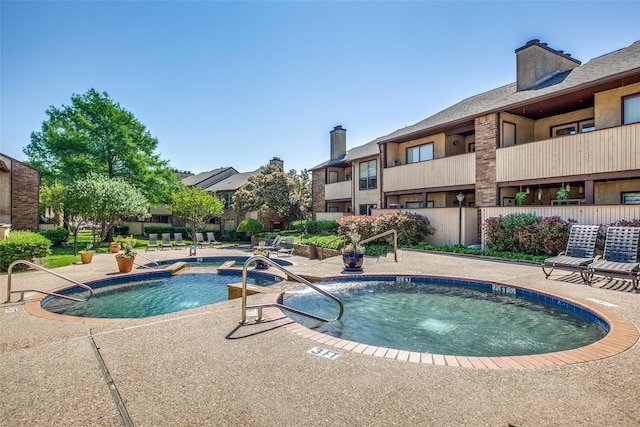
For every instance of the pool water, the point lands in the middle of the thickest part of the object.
(442, 319)
(146, 298)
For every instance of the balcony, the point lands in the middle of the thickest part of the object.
(601, 151)
(338, 190)
(444, 172)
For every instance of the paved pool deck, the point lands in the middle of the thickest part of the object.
(200, 367)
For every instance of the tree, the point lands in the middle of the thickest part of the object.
(51, 204)
(103, 201)
(289, 194)
(96, 135)
(195, 207)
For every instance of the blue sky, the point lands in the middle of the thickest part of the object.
(237, 83)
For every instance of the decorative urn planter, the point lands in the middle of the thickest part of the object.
(352, 261)
(261, 265)
(125, 265)
(114, 247)
(86, 257)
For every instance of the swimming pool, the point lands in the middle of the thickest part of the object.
(450, 316)
(151, 294)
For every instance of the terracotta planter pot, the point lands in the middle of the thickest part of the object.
(86, 257)
(114, 248)
(125, 265)
(353, 261)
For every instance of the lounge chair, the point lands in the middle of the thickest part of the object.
(153, 241)
(211, 238)
(620, 258)
(288, 248)
(166, 241)
(580, 251)
(177, 240)
(274, 246)
(266, 242)
(200, 240)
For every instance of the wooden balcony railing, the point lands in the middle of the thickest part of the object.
(448, 171)
(607, 150)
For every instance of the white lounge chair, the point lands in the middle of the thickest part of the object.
(288, 248)
(177, 240)
(166, 241)
(153, 241)
(211, 238)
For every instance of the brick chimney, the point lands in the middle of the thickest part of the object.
(277, 161)
(338, 142)
(536, 62)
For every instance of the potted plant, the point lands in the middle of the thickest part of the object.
(86, 255)
(127, 256)
(353, 253)
(521, 197)
(260, 264)
(115, 245)
(562, 195)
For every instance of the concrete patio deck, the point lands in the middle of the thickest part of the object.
(199, 367)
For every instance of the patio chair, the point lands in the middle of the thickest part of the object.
(620, 258)
(177, 240)
(580, 251)
(288, 248)
(166, 241)
(200, 240)
(211, 238)
(266, 242)
(153, 241)
(275, 245)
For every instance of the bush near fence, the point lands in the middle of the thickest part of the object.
(412, 228)
(24, 245)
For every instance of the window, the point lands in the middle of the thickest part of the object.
(414, 205)
(631, 198)
(228, 199)
(366, 209)
(631, 109)
(573, 128)
(368, 175)
(508, 134)
(333, 177)
(420, 153)
(229, 224)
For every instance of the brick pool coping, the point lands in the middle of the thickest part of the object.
(622, 336)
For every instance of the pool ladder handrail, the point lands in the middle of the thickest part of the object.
(386, 233)
(54, 294)
(148, 259)
(259, 307)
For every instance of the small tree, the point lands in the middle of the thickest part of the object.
(250, 226)
(195, 207)
(289, 194)
(103, 201)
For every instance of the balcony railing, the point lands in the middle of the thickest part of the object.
(607, 150)
(338, 190)
(448, 171)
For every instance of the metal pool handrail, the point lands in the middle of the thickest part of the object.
(386, 233)
(281, 306)
(148, 259)
(30, 264)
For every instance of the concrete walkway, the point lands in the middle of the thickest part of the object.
(199, 367)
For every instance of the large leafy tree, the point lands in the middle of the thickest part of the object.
(289, 194)
(96, 135)
(103, 201)
(51, 203)
(195, 207)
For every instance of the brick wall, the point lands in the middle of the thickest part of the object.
(25, 189)
(318, 181)
(486, 145)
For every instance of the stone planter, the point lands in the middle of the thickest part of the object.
(125, 265)
(4, 231)
(352, 261)
(86, 257)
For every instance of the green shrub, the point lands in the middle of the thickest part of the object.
(527, 233)
(250, 225)
(411, 228)
(121, 230)
(315, 227)
(57, 237)
(24, 245)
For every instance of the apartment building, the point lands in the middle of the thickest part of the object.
(19, 190)
(561, 125)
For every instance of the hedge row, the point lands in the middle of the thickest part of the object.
(57, 237)
(25, 245)
(411, 228)
(315, 227)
